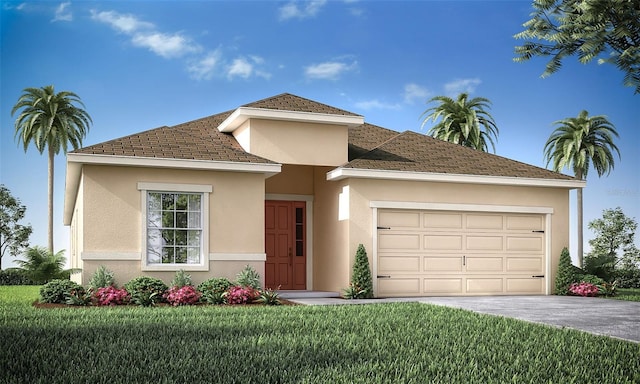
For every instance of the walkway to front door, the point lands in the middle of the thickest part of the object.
(285, 245)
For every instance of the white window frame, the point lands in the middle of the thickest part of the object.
(205, 190)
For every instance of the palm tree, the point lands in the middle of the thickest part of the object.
(51, 120)
(42, 266)
(579, 143)
(462, 121)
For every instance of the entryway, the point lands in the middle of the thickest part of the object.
(285, 245)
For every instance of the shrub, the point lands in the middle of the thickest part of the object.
(79, 297)
(58, 291)
(361, 283)
(592, 279)
(240, 295)
(101, 278)
(628, 278)
(15, 276)
(566, 273)
(185, 295)
(608, 289)
(181, 279)
(602, 265)
(584, 289)
(248, 277)
(213, 289)
(269, 297)
(145, 290)
(353, 292)
(111, 296)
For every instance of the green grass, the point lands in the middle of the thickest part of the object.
(381, 343)
(628, 294)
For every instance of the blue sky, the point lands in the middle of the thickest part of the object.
(138, 65)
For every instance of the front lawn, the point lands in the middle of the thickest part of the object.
(381, 343)
(628, 294)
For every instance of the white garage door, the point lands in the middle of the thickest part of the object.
(434, 253)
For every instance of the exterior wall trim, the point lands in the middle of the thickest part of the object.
(242, 114)
(308, 199)
(220, 256)
(343, 173)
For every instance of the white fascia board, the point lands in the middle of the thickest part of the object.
(242, 114)
(344, 173)
(75, 161)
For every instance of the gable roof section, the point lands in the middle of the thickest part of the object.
(293, 103)
(365, 137)
(413, 156)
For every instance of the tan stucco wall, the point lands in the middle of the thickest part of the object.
(112, 213)
(292, 179)
(331, 266)
(362, 191)
(289, 142)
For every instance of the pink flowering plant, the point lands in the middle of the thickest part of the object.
(186, 295)
(584, 289)
(240, 295)
(111, 296)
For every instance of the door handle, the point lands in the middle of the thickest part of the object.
(464, 260)
(383, 276)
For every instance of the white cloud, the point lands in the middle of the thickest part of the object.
(165, 45)
(308, 9)
(204, 67)
(122, 23)
(240, 67)
(413, 92)
(376, 104)
(458, 86)
(62, 12)
(331, 70)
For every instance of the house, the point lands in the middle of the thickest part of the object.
(291, 186)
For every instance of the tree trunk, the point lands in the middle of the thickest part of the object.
(50, 229)
(580, 258)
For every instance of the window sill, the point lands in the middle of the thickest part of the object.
(174, 267)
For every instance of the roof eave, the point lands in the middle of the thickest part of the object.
(344, 173)
(242, 114)
(75, 161)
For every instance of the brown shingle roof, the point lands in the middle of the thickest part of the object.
(289, 102)
(366, 137)
(413, 152)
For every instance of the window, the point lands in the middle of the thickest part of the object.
(175, 234)
(174, 228)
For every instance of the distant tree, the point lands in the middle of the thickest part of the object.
(613, 246)
(51, 121)
(607, 30)
(463, 121)
(43, 266)
(14, 237)
(579, 143)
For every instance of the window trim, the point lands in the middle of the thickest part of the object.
(205, 190)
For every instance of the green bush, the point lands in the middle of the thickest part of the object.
(102, 278)
(58, 291)
(248, 277)
(269, 297)
(566, 273)
(15, 276)
(592, 279)
(361, 282)
(215, 284)
(628, 278)
(602, 266)
(181, 279)
(146, 290)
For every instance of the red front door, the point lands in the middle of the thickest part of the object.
(285, 245)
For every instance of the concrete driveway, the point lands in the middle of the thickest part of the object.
(614, 318)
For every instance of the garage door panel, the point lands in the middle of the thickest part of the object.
(396, 263)
(399, 241)
(524, 285)
(524, 244)
(524, 264)
(443, 242)
(476, 285)
(478, 221)
(443, 220)
(525, 222)
(485, 264)
(484, 243)
(399, 286)
(442, 264)
(451, 285)
(399, 220)
(460, 253)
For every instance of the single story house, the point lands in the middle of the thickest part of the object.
(292, 186)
